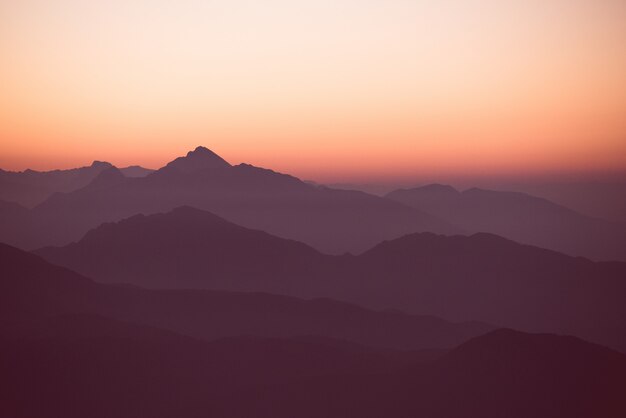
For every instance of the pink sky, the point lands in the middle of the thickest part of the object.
(329, 90)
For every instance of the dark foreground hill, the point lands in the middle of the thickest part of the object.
(108, 368)
(481, 277)
(502, 374)
(70, 347)
(90, 366)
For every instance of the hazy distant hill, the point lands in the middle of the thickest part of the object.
(30, 187)
(481, 277)
(602, 198)
(521, 217)
(189, 248)
(330, 220)
(136, 171)
(489, 278)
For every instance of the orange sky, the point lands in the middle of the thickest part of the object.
(329, 90)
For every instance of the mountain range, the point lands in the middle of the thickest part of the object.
(32, 288)
(72, 347)
(210, 289)
(480, 277)
(520, 217)
(104, 368)
(502, 374)
(334, 221)
(29, 187)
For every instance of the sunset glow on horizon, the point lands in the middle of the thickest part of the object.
(326, 90)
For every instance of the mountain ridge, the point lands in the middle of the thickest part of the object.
(522, 217)
(330, 220)
(483, 276)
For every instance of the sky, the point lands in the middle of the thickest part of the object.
(330, 90)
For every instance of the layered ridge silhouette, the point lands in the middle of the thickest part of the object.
(334, 221)
(331, 220)
(520, 217)
(110, 368)
(481, 277)
(32, 288)
(30, 187)
(62, 354)
(87, 365)
(234, 291)
(502, 374)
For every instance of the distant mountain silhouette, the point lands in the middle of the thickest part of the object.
(29, 187)
(135, 171)
(521, 217)
(488, 278)
(482, 277)
(198, 160)
(330, 220)
(33, 288)
(598, 198)
(189, 248)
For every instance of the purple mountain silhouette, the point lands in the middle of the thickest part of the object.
(502, 374)
(111, 351)
(330, 220)
(85, 365)
(33, 288)
(488, 278)
(135, 171)
(198, 160)
(11, 209)
(521, 217)
(482, 277)
(190, 248)
(29, 187)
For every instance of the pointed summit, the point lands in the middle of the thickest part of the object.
(102, 165)
(199, 159)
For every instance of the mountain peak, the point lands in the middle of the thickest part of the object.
(101, 164)
(200, 150)
(200, 158)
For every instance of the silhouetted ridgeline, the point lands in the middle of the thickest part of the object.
(32, 288)
(64, 351)
(29, 187)
(521, 217)
(333, 221)
(227, 291)
(481, 277)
